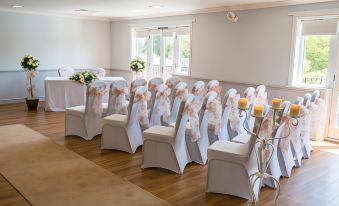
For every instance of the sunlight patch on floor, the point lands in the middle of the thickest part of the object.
(326, 146)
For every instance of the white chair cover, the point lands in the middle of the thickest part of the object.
(318, 113)
(231, 124)
(161, 108)
(229, 166)
(214, 85)
(274, 166)
(284, 151)
(296, 142)
(66, 71)
(117, 103)
(153, 86)
(122, 132)
(261, 95)
(100, 72)
(164, 147)
(211, 120)
(196, 144)
(249, 93)
(306, 129)
(86, 121)
(180, 93)
(172, 83)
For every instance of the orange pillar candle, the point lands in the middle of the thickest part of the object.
(294, 110)
(258, 111)
(276, 103)
(242, 104)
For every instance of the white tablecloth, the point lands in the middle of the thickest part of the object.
(61, 93)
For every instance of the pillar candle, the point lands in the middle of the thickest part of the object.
(294, 110)
(276, 103)
(258, 111)
(242, 104)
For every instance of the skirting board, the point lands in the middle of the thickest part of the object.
(17, 100)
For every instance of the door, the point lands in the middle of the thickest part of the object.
(166, 51)
(333, 131)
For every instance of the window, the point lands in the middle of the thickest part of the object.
(169, 53)
(314, 62)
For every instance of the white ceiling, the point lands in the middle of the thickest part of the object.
(129, 9)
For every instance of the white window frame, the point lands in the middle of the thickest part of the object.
(297, 46)
(134, 27)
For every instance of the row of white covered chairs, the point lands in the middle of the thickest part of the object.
(232, 162)
(69, 71)
(176, 128)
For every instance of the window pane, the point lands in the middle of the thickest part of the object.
(156, 49)
(315, 62)
(141, 48)
(184, 53)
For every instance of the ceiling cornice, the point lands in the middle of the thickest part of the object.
(178, 13)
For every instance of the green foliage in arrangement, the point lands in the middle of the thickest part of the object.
(29, 62)
(137, 64)
(85, 77)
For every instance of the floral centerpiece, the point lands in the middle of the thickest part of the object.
(137, 65)
(84, 77)
(30, 64)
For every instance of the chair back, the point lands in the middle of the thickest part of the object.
(100, 72)
(153, 85)
(95, 93)
(182, 118)
(172, 83)
(214, 85)
(199, 88)
(315, 95)
(180, 93)
(162, 106)
(211, 116)
(230, 120)
(283, 112)
(134, 85)
(307, 99)
(66, 71)
(117, 98)
(261, 95)
(249, 93)
(299, 100)
(139, 112)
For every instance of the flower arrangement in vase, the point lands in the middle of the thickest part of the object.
(137, 65)
(30, 64)
(84, 77)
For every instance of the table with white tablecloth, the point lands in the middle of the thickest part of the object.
(61, 93)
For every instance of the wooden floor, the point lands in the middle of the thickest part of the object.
(316, 183)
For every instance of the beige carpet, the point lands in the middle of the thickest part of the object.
(46, 173)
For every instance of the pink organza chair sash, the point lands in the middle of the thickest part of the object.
(164, 108)
(214, 107)
(120, 106)
(96, 93)
(142, 99)
(234, 118)
(305, 122)
(192, 110)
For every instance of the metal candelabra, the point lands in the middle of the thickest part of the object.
(265, 145)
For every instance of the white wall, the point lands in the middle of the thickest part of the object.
(56, 41)
(256, 50)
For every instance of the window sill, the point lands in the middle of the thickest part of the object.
(305, 87)
(181, 74)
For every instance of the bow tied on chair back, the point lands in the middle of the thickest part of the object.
(192, 110)
(181, 90)
(214, 107)
(142, 99)
(234, 118)
(96, 93)
(164, 108)
(120, 106)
